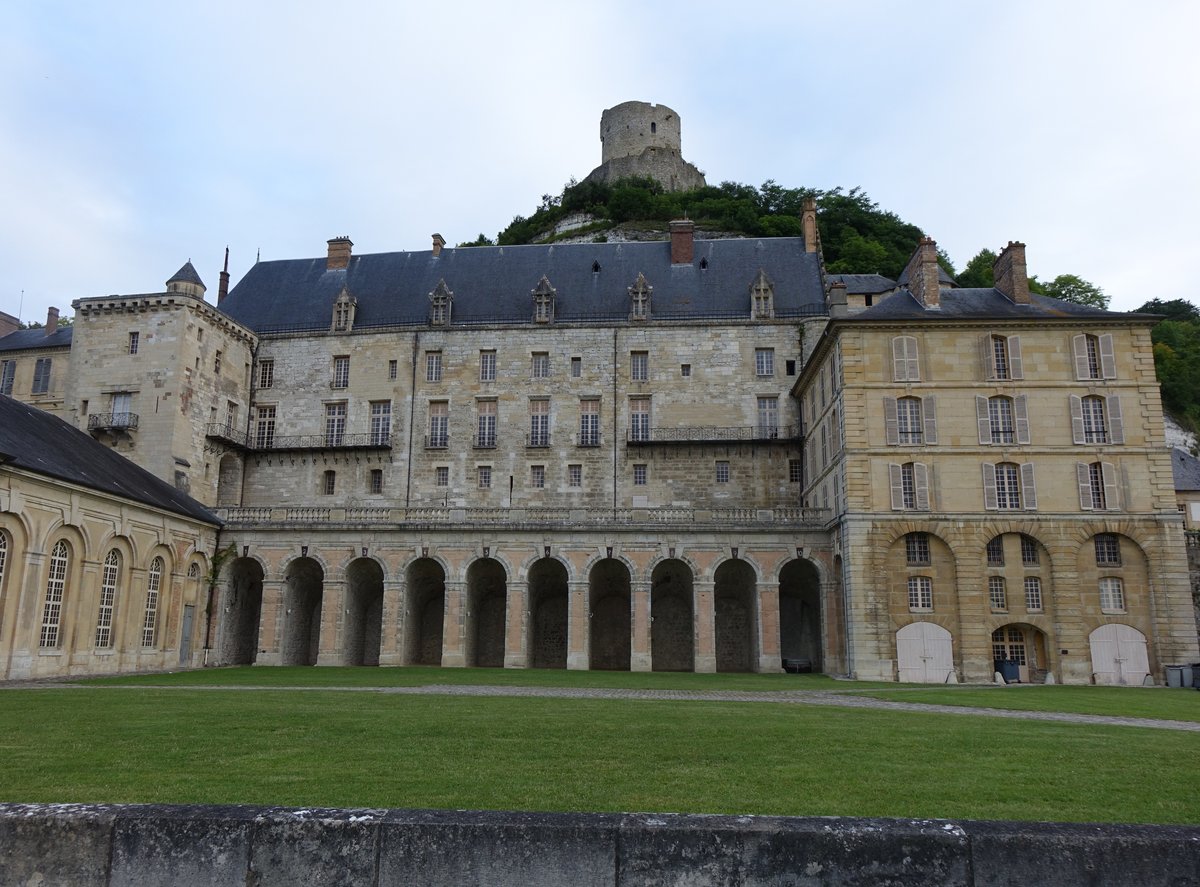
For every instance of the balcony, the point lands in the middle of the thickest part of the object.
(589, 439)
(715, 434)
(537, 439)
(263, 443)
(484, 440)
(437, 440)
(113, 422)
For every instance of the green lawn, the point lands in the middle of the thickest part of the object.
(306, 748)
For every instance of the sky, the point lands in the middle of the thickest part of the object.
(135, 136)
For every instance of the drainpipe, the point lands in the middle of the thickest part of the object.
(615, 443)
(412, 408)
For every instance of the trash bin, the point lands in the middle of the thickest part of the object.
(1009, 669)
(1195, 675)
(1175, 675)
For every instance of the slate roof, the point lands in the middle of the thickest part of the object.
(494, 284)
(44, 444)
(1186, 469)
(983, 303)
(944, 277)
(24, 340)
(186, 274)
(864, 284)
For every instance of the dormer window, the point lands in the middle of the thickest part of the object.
(762, 297)
(543, 301)
(639, 298)
(441, 300)
(596, 267)
(343, 311)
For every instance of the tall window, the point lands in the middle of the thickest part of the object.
(768, 417)
(722, 472)
(1029, 551)
(328, 483)
(392, 370)
(1108, 550)
(8, 369)
(639, 297)
(909, 486)
(487, 366)
(375, 484)
(134, 339)
(153, 584)
(381, 422)
(433, 366)
(56, 586)
(539, 423)
(341, 372)
(995, 551)
(266, 373)
(1033, 593)
(589, 423)
(484, 475)
(1095, 357)
(1009, 644)
(537, 476)
(109, 577)
(999, 357)
(997, 594)
(905, 365)
(908, 420)
(485, 424)
(264, 428)
(540, 365)
(41, 375)
(1008, 486)
(639, 366)
(920, 593)
(764, 361)
(795, 471)
(1112, 595)
(639, 418)
(639, 475)
(574, 475)
(1000, 416)
(762, 293)
(576, 367)
(1094, 429)
(335, 424)
(439, 424)
(441, 476)
(916, 549)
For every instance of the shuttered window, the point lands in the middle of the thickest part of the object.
(906, 367)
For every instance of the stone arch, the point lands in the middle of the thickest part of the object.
(314, 556)
(425, 611)
(1020, 652)
(229, 481)
(304, 585)
(601, 556)
(17, 525)
(750, 563)
(609, 608)
(241, 611)
(363, 628)
(548, 612)
(935, 598)
(487, 602)
(672, 620)
(682, 557)
(735, 601)
(800, 616)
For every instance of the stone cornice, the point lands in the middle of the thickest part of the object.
(140, 303)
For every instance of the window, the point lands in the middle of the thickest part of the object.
(56, 586)
(576, 367)
(537, 476)
(997, 594)
(8, 369)
(328, 483)
(1094, 430)
(335, 424)
(487, 366)
(1098, 490)
(381, 422)
(543, 301)
(153, 584)
(1029, 551)
(133, 342)
(266, 373)
(722, 472)
(231, 409)
(685, 370)
(540, 368)
(790, 366)
(909, 486)
(762, 293)
(485, 476)
(264, 428)
(764, 361)
(639, 418)
(916, 549)
(1108, 550)
(1009, 644)
(824, 446)
(768, 417)
(999, 358)
(41, 375)
(795, 471)
(574, 475)
(341, 314)
(433, 366)
(1097, 420)
(995, 551)
(109, 577)
(485, 424)
(1112, 595)
(341, 372)
(909, 421)
(217, 363)
(639, 475)
(375, 484)
(1008, 486)
(920, 593)
(1000, 418)
(539, 423)
(441, 476)
(589, 423)
(1095, 357)
(439, 424)
(1033, 593)
(905, 366)
(1003, 357)
(441, 301)
(391, 370)
(639, 366)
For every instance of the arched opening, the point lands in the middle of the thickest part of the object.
(672, 631)
(734, 605)
(548, 614)
(800, 617)
(1119, 655)
(229, 481)
(242, 611)
(364, 617)
(1019, 653)
(609, 604)
(924, 653)
(487, 599)
(425, 611)
(303, 589)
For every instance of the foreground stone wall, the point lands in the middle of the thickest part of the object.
(72, 845)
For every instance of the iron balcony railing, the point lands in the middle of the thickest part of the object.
(439, 440)
(537, 439)
(110, 421)
(484, 440)
(367, 440)
(713, 433)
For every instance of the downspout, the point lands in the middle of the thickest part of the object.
(412, 412)
(616, 332)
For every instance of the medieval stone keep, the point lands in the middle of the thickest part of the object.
(685, 455)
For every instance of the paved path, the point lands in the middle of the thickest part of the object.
(792, 697)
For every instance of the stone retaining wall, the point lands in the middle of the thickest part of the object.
(69, 844)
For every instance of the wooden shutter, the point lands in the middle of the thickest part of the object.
(891, 422)
(1083, 478)
(921, 484)
(1079, 346)
(986, 358)
(929, 411)
(1108, 357)
(1028, 487)
(896, 481)
(1077, 434)
(1116, 423)
(991, 501)
(900, 358)
(1015, 370)
(1021, 418)
(1112, 490)
(985, 422)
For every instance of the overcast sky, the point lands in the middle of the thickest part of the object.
(137, 135)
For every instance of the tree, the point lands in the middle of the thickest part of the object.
(481, 240)
(978, 271)
(1072, 288)
(1175, 309)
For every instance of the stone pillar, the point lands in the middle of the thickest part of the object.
(578, 626)
(516, 627)
(129, 633)
(767, 629)
(75, 619)
(270, 623)
(703, 606)
(22, 637)
(454, 640)
(640, 658)
(392, 622)
(333, 621)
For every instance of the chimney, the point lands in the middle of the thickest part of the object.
(836, 301)
(223, 286)
(438, 243)
(682, 244)
(808, 223)
(339, 253)
(923, 276)
(51, 321)
(1010, 274)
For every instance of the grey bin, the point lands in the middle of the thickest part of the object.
(1180, 675)
(1195, 667)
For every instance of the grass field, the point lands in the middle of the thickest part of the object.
(323, 747)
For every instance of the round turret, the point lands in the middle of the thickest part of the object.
(631, 127)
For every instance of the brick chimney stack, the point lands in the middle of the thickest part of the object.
(51, 321)
(223, 286)
(339, 253)
(808, 223)
(438, 243)
(923, 275)
(682, 244)
(1010, 273)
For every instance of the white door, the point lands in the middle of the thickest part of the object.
(1119, 655)
(924, 653)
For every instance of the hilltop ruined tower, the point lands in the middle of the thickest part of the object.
(642, 139)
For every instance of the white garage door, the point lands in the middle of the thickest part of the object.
(924, 653)
(1119, 655)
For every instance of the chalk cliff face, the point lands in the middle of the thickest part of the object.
(642, 139)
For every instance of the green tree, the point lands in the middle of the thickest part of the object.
(1175, 309)
(1072, 288)
(481, 240)
(978, 271)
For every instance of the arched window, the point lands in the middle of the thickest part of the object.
(109, 578)
(56, 587)
(153, 584)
